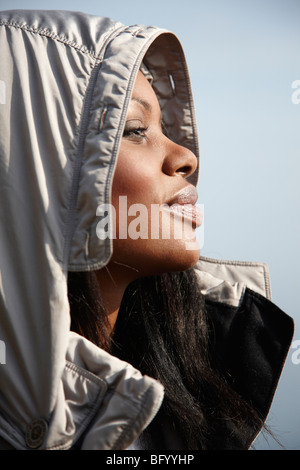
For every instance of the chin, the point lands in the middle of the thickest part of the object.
(173, 259)
(150, 258)
(184, 262)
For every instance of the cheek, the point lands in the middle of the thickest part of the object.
(136, 180)
(135, 183)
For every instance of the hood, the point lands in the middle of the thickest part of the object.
(68, 79)
(65, 83)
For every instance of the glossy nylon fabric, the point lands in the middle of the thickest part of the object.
(66, 80)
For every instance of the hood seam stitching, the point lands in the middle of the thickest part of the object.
(54, 36)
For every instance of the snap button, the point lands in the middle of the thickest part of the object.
(36, 433)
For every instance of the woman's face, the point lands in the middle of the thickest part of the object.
(150, 177)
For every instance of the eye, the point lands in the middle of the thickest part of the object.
(136, 133)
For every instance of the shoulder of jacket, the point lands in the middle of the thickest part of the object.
(226, 281)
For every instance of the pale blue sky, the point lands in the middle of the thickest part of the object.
(243, 57)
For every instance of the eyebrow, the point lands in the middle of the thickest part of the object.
(147, 106)
(144, 103)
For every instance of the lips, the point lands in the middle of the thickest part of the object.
(184, 205)
(187, 195)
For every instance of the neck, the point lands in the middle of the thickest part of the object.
(113, 281)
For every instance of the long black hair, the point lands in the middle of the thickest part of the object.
(163, 330)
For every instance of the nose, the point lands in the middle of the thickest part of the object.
(178, 160)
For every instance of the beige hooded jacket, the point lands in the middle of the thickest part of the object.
(65, 83)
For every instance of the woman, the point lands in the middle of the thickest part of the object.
(97, 114)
